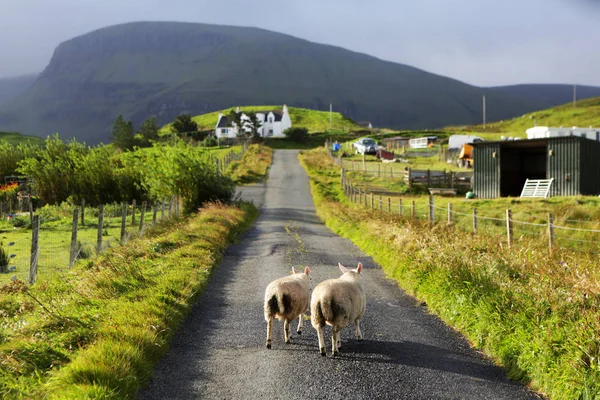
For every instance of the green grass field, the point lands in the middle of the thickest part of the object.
(16, 138)
(314, 121)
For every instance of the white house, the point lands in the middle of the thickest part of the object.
(538, 132)
(273, 123)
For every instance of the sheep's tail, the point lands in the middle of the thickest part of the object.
(278, 304)
(326, 310)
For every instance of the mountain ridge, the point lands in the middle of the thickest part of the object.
(164, 69)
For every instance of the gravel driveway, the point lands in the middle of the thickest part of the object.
(220, 353)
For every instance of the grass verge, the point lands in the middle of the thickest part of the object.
(253, 167)
(97, 331)
(536, 315)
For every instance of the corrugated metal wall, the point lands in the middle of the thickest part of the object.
(486, 174)
(564, 166)
(590, 167)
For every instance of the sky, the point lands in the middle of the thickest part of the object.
(481, 42)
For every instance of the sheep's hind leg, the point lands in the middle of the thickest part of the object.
(321, 340)
(286, 329)
(358, 332)
(300, 321)
(335, 333)
(269, 329)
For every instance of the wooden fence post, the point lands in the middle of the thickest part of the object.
(33, 261)
(372, 202)
(389, 205)
(133, 205)
(475, 219)
(428, 177)
(551, 231)
(100, 229)
(431, 210)
(82, 212)
(123, 221)
(142, 217)
(162, 210)
(364, 164)
(30, 209)
(73, 253)
(409, 177)
(413, 209)
(509, 228)
(170, 206)
(400, 207)
(154, 211)
(449, 213)
(379, 170)
(391, 174)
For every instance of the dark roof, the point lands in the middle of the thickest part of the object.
(526, 142)
(223, 122)
(364, 123)
(277, 113)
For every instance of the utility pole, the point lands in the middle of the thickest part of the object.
(574, 95)
(330, 115)
(484, 112)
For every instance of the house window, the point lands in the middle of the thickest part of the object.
(225, 130)
(270, 132)
(584, 135)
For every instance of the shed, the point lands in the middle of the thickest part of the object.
(501, 168)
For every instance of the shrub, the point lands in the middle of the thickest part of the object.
(3, 259)
(210, 141)
(296, 134)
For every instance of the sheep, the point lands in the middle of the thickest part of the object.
(337, 302)
(285, 299)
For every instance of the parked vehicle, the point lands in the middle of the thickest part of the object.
(365, 146)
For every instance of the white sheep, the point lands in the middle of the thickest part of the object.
(286, 299)
(337, 302)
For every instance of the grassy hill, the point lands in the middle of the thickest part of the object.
(313, 120)
(585, 113)
(16, 138)
(169, 68)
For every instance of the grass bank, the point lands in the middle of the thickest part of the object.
(536, 315)
(98, 330)
(253, 167)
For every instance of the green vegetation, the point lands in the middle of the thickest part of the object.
(314, 121)
(586, 113)
(97, 330)
(533, 313)
(253, 167)
(15, 138)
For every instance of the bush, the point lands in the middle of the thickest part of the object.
(296, 134)
(210, 141)
(3, 259)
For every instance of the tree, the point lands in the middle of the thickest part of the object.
(148, 131)
(122, 134)
(184, 124)
(296, 134)
(254, 124)
(235, 118)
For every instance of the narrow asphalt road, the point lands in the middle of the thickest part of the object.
(220, 352)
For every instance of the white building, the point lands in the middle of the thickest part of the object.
(273, 123)
(547, 132)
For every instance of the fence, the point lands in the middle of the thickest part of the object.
(572, 237)
(431, 178)
(54, 244)
(60, 237)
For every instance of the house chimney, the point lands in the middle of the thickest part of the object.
(285, 109)
(237, 110)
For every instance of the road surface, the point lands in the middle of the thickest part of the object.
(220, 351)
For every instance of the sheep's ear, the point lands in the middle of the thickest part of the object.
(306, 270)
(293, 270)
(359, 268)
(342, 268)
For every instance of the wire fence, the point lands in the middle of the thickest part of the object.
(35, 244)
(554, 235)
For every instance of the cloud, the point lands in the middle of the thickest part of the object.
(479, 42)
